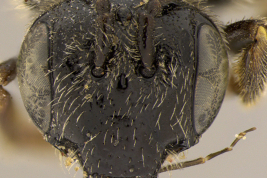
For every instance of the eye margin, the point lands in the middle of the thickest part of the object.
(32, 69)
(210, 82)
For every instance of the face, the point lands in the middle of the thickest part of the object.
(64, 122)
(109, 85)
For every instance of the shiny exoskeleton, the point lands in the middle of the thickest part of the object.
(120, 84)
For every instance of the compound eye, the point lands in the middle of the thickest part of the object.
(211, 77)
(33, 75)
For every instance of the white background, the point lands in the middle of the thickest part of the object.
(38, 159)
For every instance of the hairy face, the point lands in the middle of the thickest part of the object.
(119, 85)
